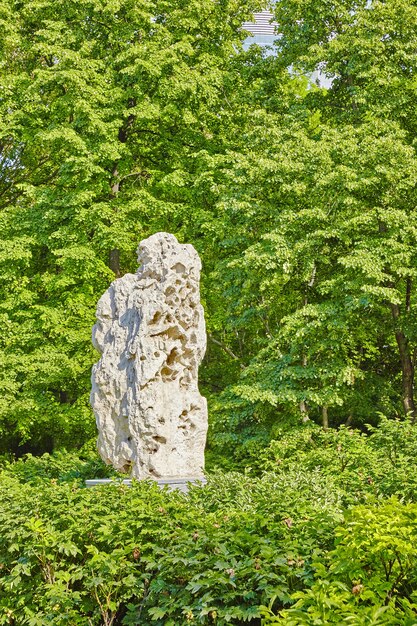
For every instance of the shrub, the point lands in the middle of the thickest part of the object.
(362, 466)
(317, 539)
(61, 465)
(117, 555)
(369, 578)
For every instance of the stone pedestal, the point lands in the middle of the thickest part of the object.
(181, 484)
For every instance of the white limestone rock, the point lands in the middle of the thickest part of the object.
(150, 332)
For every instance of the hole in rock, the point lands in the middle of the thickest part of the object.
(185, 322)
(157, 354)
(173, 332)
(172, 356)
(161, 420)
(166, 372)
(160, 439)
(179, 268)
(142, 358)
(156, 317)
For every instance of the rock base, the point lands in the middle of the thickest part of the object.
(172, 483)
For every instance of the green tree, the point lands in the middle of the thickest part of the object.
(366, 49)
(104, 105)
(316, 193)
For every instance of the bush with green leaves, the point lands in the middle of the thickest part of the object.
(379, 464)
(369, 578)
(324, 536)
(61, 466)
(116, 555)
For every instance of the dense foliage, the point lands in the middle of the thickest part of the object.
(327, 536)
(102, 105)
(319, 205)
(120, 118)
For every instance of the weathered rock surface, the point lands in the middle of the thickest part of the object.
(150, 332)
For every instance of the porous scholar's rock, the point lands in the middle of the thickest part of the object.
(150, 332)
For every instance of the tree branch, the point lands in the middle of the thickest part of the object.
(225, 349)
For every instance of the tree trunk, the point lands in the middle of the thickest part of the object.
(407, 367)
(325, 418)
(407, 375)
(304, 411)
(114, 261)
(303, 404)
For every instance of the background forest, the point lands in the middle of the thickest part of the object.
(121, 118)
